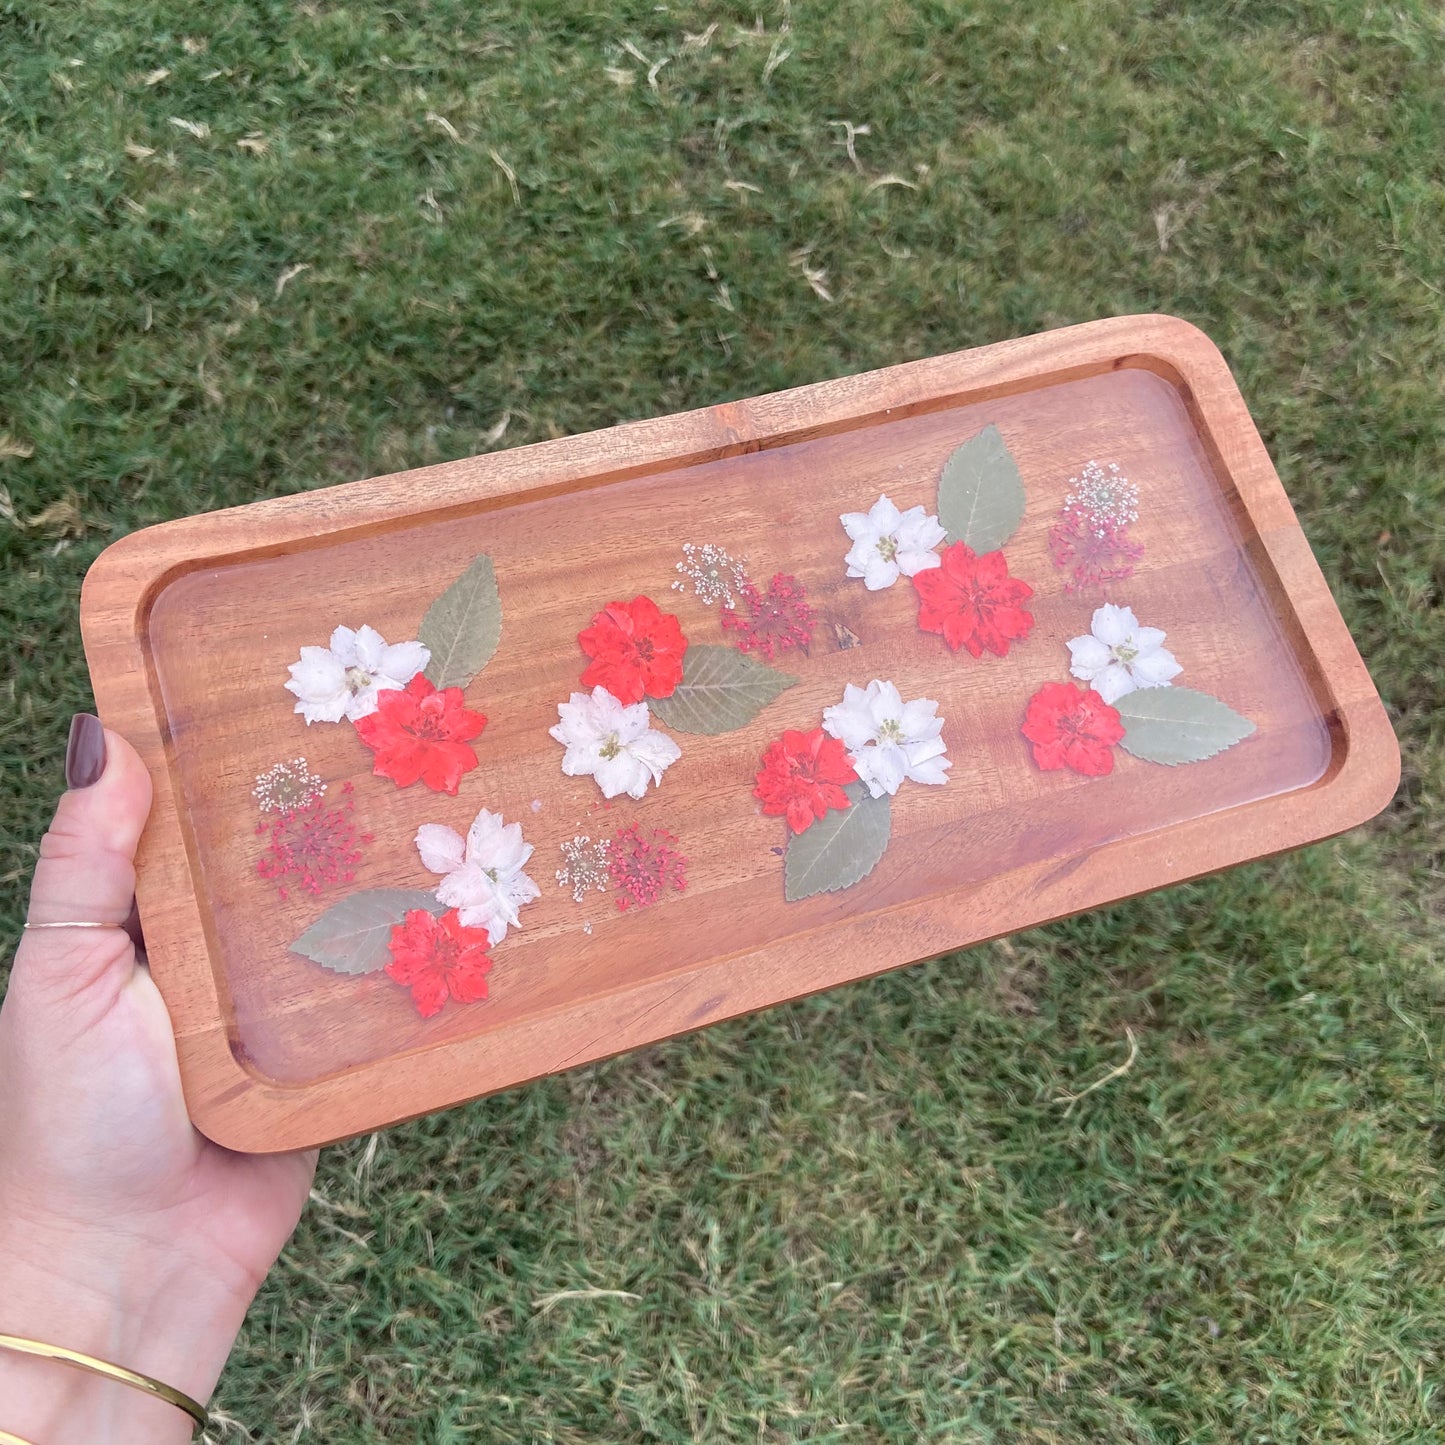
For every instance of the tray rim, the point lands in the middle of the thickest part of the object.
(246, 1111)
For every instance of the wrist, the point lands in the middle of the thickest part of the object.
(125, 1299)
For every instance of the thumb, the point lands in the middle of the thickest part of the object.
(86, 872)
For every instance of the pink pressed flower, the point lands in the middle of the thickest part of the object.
(1091, 538)
(643, 869)
(771, 622)
(313, 845)
(1092, 553)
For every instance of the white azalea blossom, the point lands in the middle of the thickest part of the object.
(342, 681)
(889, 740)
(612, 743)
(888, 543)
(482, 874)
(1117, 656)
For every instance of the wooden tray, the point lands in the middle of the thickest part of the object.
(190, 628)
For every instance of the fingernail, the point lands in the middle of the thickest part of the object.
(85, 752)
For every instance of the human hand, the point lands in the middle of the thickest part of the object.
(123, 1232)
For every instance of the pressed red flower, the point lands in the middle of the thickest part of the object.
(1092, 550)
(420, 732)
(438, 959)
(1072, 727)
(636, 650)
(313, 845)
(773, 621)
(802, 777)
(642, 868)
(973, 601)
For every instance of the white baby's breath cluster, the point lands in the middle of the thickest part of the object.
(584, 865)
(287, 786)
(716, 576)
(1105, 495)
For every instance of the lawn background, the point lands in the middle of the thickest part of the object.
(864, 1217)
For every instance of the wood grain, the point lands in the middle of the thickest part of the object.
(189, 628)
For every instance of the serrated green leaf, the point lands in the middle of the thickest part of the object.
(463, 626)
(352, 936)
(721, 689)
(1175, 725)
(981, 494)
(841, 848)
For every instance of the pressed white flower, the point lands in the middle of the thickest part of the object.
(482, 874)
(613, 743)
(1117, 656)
(342, 681)
(888, 543)
(889, 740)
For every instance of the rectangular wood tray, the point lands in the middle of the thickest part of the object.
(190, 627)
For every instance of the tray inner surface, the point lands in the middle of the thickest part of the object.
(221, 637)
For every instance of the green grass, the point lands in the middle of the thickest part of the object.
(862, 1218)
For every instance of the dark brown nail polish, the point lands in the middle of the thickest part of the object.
(85, 753)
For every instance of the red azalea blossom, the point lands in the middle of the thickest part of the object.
(802, 777)
(643, 869)
(1072, 727)
(313, 844)
(420, 732)
(438, 959)
(1091, 549)
(973, 601)
(636, 650)
(770, 622)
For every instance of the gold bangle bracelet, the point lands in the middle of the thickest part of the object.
(106, 1371)
(6, 1438)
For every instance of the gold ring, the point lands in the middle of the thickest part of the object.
(74, 923)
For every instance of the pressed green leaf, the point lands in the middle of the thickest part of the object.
(841, 847)
(463, 626)
(352, 936)
(981, 494)
(1178, 725)
(721, 689)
